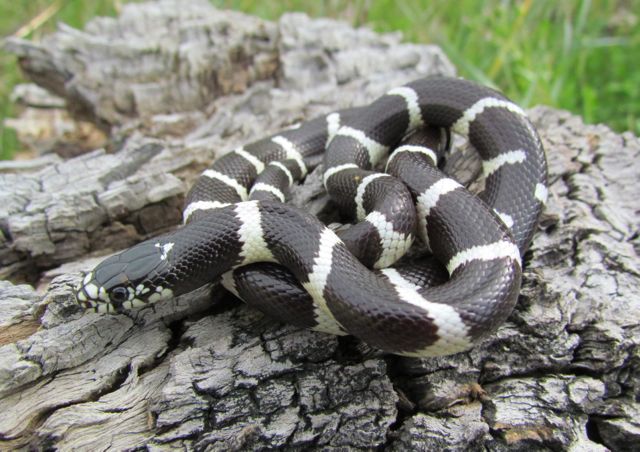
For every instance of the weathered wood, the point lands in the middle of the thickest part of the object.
(176, 86)
(194, 57)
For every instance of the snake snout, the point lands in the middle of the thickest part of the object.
(126, 280)
(87, 292)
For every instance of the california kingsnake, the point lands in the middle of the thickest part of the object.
(235, 217)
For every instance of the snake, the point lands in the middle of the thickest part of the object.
(381, 168)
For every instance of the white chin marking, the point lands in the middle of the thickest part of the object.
(461, 126)
(137, 303)
(497, 250)
(254, 247)
(202, 205)
(91, 290)
(318, 280)
(160, 294)
(375, 150)
(453, 333)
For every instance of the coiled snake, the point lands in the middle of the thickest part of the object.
(283, 260)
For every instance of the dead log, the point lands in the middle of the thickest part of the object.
(175, 84)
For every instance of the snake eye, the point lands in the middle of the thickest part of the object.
(119, 295)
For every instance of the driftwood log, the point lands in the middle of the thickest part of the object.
(170, 85)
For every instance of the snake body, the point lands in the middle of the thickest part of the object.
(284, 261)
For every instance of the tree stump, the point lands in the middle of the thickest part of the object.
(175, 84)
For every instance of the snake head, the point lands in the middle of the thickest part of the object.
(130, 279)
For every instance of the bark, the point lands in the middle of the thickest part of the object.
(175, 87)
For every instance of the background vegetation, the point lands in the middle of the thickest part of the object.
(579, 55)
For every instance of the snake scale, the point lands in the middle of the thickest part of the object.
(284, 261)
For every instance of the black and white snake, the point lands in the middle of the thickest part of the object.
(284, 261)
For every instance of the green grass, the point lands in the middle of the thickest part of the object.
(579, 55)
(17, 13)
